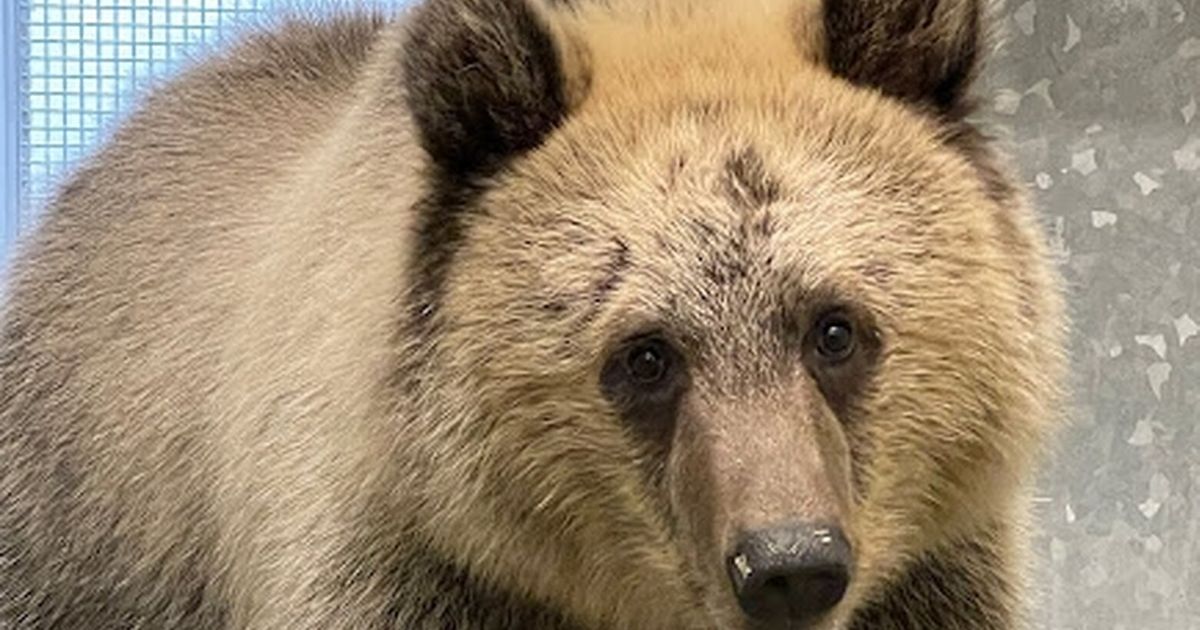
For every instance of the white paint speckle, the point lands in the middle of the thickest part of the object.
(1044, 180)
(1073, 35)
(1058, 552)
(1159, 374)
(1084, 162)
(1102, 219)
(1160, 491)
(1094, 129)
(1187, 158)
(1160, 487)
(1186, 328)
(1158, 343)
(1143, 433)
(1042, 89)
(1189, 111)
(1007, 102)
(1154, 544)
(1095, 575)
(1190, 48)
(1115, 351)
(1057, 241)
(1024, 16)
(1146, 183)
(1070, 514)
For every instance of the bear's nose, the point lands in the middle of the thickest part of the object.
(790, 574)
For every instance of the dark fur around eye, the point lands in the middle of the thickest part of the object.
(841, 349)
(644, 378)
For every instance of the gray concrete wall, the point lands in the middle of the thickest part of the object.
(1098, 102)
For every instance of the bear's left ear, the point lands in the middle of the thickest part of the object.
(925, 52)
(484, 80)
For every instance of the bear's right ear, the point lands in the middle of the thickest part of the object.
(924, 52)
(484, 81)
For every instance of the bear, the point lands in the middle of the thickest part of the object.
(527, 314)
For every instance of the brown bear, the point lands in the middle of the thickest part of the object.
(636, 314)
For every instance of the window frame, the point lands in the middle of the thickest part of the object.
(12, 72)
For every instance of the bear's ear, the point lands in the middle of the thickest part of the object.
(484, 81)
(924, 52)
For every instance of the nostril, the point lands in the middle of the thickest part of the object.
(814, 593)
(796, 573)
(779, 584)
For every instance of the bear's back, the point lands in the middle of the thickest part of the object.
(120, 319)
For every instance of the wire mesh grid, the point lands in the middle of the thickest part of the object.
(85, 61)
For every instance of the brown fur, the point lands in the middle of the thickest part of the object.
(319, 338)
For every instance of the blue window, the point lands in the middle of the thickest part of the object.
(71, 67)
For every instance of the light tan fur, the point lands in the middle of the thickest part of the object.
(209, 328)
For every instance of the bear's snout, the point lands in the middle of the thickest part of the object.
(790, 575)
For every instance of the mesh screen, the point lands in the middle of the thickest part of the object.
(85, 61)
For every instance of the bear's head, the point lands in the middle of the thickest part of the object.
(724, 311)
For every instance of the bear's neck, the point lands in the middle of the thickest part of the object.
(962, 585)
(429, 591)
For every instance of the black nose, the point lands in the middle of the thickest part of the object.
(794, 573)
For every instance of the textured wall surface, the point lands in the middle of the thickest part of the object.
(1097, 100)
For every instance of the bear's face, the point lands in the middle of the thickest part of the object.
(738, 336)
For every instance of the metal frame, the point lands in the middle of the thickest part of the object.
(12, 74)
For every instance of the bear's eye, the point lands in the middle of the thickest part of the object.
(644, 379)
(835, 338)
(647, 363)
